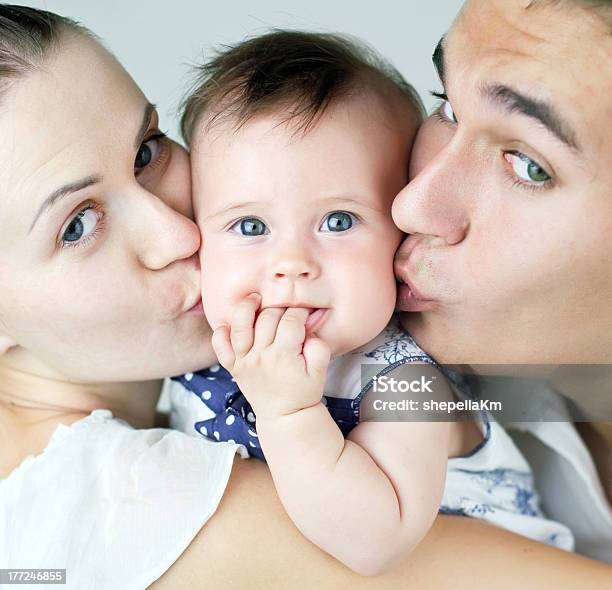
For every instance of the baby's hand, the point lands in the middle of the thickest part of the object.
(279, 369)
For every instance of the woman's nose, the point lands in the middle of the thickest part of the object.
(163, 235)
(434, 202)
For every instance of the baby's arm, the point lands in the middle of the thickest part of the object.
(367, 500)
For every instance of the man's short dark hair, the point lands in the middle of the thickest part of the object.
(301, 71)
(601, 7)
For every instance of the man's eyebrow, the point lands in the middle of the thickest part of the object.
(64, 191)
(438, 60)
(540, 110)
(146, 121)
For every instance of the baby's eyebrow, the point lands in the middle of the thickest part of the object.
(233, 207)
(349, 200)
(340, 199)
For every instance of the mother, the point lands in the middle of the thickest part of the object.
(98, 300)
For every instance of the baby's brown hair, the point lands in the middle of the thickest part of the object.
(301, 72)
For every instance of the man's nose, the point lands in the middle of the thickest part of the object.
(435, 202)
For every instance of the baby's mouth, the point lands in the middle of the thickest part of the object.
(315, 319)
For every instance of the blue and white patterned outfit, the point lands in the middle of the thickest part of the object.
(492, 482)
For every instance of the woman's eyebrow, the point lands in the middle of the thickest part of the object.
(541, 111)
(79, 185)
(64, 191)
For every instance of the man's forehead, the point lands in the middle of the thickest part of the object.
(547, 32)
(555, 53)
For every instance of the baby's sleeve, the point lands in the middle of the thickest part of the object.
(494, 482)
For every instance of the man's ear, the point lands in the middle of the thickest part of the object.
(6, 342)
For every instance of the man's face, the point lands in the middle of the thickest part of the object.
(510, 205)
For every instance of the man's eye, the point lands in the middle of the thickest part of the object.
(250, 226)
(526, 169)
(444, 110)
(447, 111)
(337, 221)
(148, 152)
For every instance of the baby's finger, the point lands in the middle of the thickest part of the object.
(243, 318)
(292, 329)
(266, 326)
(223, 347)
(317, 355)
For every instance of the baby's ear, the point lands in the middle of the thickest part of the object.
(6, 342)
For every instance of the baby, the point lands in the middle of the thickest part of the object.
(300, 143)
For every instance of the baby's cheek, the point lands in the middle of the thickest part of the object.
(214, 282)
(223, 288)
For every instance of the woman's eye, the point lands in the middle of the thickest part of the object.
(337, 221)
(250, 226)
(526, 169)
(148, 152)
(81, 226)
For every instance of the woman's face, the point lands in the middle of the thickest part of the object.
(98, 268)
(509, 207)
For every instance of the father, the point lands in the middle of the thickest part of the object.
(510, 214)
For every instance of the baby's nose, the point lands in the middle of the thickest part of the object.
(295, 268)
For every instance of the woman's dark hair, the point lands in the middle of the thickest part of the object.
(27, 36)
(299, 70)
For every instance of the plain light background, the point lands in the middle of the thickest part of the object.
(156, 41)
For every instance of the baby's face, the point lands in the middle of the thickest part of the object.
(305, 219)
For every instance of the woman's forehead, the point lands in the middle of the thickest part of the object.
(76, 114)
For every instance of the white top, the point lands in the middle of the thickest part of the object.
(569, 486)
(565, 474)
(117, 506)
(113, 505)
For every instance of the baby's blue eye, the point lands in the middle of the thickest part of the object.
(337, 221)
(250, 226)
